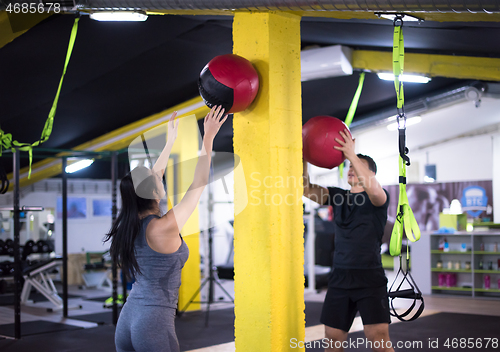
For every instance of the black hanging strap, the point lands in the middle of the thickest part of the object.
(4, 185)
(403, 150)
(410, 293)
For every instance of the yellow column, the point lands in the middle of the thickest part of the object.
(268, 241)
(186, 149)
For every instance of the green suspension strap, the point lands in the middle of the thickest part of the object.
(352, 111)
(405, 220)
(355, 100)
(6, 141)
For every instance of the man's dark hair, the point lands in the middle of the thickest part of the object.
(371, 164)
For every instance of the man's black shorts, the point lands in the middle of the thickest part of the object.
(341, 306)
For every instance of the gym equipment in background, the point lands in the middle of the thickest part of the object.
(318, 138)
(6, 141)
(318, 249)
(96, 273)
(212, 276)
(226, 271)
(229, 80)
(37, 276)
(405, 220)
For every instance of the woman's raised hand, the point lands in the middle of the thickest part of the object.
(214, 119)
(172, 128)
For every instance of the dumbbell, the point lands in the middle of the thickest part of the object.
(2, 244)
(28, 248)
(3, 269)
(11, 269)
(43, 247)
(4, 248)
(9, 247)
(6, 268)
(35, 248)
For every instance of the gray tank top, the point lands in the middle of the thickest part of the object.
(158, 285)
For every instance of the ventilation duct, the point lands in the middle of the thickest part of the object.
(329, 61)
(471, 92)
(484, 6)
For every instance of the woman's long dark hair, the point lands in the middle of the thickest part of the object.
(127, 226)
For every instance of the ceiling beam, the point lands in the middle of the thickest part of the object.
(15, 25)
(347, 15)
(114, 140)
(23, 22)
(462, 67)
(426, 16)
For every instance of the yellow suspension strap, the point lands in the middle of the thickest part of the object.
(6, 141)
(405, 220)
(352, 111)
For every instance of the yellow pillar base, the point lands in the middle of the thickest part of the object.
(268, 241)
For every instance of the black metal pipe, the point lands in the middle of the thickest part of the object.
(65, 235)
(299, 5)
(17, 259)
(114, 172)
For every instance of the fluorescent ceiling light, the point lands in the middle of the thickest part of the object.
(409, 121)
(404, 78)
(329, 61)
(118, 16)
(82, 164)
(406, 17)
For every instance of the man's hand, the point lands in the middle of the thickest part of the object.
(346, 145)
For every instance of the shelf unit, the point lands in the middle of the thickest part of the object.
(480, 254)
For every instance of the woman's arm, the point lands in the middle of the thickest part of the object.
(161, 162)
(177, 217)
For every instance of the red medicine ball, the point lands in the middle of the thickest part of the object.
(318, 139)
(229, 80)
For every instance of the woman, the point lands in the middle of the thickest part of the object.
(150, 248)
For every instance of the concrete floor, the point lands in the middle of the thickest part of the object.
(433, 304)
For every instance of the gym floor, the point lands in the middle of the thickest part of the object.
(89, 328)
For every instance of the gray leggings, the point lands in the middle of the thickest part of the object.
(146, 329)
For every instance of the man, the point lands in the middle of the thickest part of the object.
(358, 281)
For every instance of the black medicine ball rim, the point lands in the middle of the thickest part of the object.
(207, 84)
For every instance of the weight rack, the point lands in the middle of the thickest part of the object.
(63, 154)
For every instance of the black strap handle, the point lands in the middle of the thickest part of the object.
(411, 293)
(4, 179)
(403, 151)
